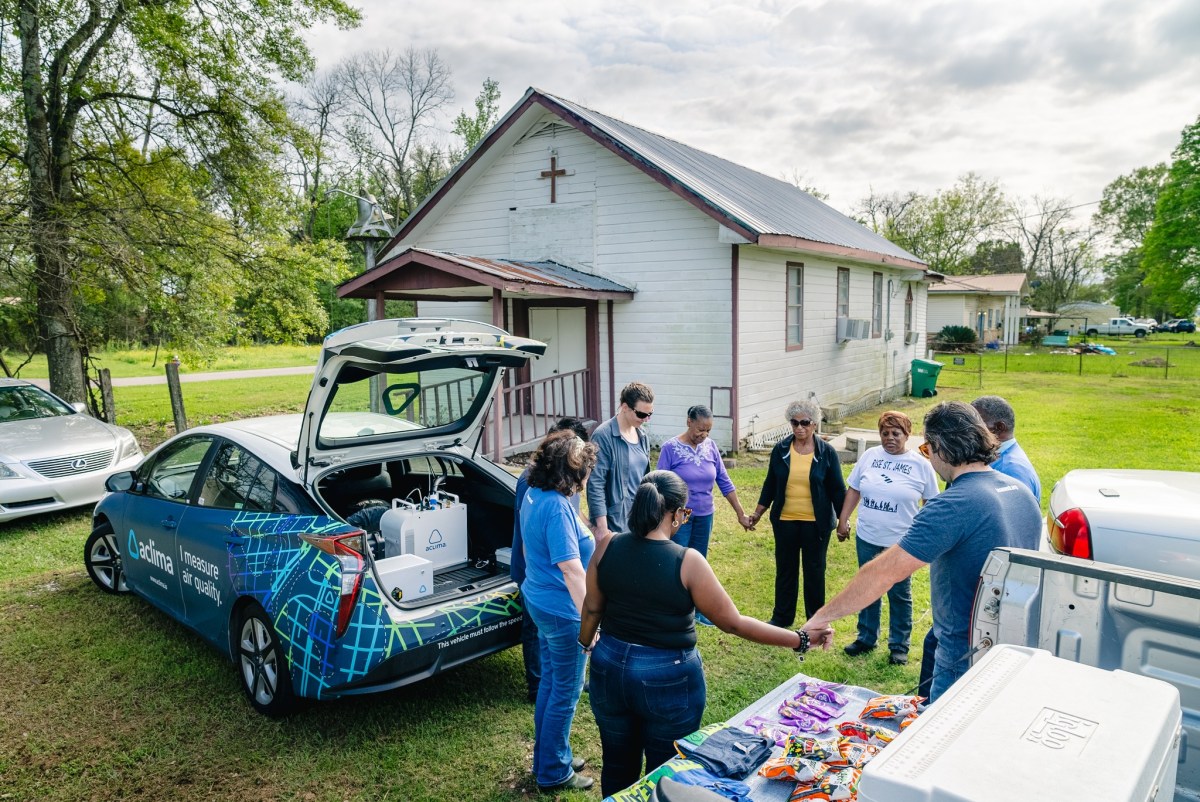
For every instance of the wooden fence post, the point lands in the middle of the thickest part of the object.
(106, 396)
(176, 395)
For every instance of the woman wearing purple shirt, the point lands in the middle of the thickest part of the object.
(697, 461)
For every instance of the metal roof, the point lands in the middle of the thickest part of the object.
(758, 202)
(997, 284)
(546, 272)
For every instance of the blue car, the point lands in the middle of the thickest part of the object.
(351, 549)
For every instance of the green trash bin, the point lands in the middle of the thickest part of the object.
(924, 377)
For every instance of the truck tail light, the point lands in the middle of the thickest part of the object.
(1070, 534)
(348, 549)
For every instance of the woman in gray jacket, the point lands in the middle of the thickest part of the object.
(624, 458)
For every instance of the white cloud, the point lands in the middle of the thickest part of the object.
(1052, 98)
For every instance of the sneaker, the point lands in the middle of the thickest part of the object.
(898, 658)
(575, 782)
(578, 763)
(857, 648)
(781, 624)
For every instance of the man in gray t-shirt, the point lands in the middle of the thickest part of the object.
(980, 510)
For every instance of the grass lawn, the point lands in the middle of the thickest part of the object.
(104, 697)
(142, 361)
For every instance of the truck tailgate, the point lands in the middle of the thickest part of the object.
(1105, 616)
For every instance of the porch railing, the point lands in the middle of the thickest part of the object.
(531, 408)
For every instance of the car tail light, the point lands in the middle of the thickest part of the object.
(1070, 534)
(348, 549)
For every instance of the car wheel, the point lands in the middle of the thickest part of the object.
(102, 556)
(1139, 334)
(1092, 332)
(261, 664)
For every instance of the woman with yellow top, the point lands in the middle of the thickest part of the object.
(804, 490)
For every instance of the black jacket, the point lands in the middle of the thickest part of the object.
(825, 480)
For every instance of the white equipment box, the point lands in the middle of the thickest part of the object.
(438, 535)
(406, 577)
(1023, 724)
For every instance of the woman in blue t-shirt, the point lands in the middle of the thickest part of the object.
(558, 547)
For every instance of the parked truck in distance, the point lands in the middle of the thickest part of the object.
(1117, 327)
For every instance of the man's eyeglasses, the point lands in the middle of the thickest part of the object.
(925, 449)
(642, 415)
(804, 422)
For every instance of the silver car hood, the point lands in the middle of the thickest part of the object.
(43, 438)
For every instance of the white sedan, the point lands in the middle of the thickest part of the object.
(52, 455)
(1139, 519)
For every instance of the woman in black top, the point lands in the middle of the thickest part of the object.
(647, 682)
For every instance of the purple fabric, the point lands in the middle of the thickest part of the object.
(699, 467)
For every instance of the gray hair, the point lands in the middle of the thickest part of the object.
(806, 408)
(994, 409)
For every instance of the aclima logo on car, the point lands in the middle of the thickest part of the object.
(146, 551)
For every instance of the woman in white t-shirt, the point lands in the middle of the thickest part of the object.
(888, 485)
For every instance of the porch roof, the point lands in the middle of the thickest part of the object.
(419, 273)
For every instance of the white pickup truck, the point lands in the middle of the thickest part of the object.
(1117, 327)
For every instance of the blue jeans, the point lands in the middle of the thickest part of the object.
(695, 534)
(644, 699)
(531, 651)
(899, 606)
(558, 693)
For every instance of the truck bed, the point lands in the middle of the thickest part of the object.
(1105, 616)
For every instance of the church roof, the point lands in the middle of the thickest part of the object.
(763, 210)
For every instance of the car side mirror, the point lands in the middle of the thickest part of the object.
(120, 482)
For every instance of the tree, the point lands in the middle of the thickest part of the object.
(472, 127)
(1172, 258)
(942, 229)
(996, 256)
(392, 102)
(1125, 214)
(116, 95)
(1059, 258)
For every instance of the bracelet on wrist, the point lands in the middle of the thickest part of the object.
(804, 643)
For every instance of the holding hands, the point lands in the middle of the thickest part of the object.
(747, 522)
(843, 531)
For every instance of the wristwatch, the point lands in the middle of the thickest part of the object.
(803, 647)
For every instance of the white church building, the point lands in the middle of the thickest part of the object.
(636, 257)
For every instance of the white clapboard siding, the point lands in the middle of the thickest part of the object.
(830, 372)
(676, 334)
(947, 310)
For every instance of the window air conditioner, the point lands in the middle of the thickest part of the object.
(912, 337)
(852, 329)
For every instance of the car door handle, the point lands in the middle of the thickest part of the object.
(169, 523)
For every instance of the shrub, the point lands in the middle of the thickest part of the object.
(956, 338)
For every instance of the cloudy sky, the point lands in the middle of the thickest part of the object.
(1051, 97)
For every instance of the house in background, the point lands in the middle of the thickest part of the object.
(989, 305)
(636, 257)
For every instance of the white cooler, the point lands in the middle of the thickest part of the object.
(1025, 725)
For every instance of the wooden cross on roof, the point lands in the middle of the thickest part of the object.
(553, 173)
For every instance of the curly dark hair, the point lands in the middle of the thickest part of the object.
(659, 493)
(562, 462)
(958, 434)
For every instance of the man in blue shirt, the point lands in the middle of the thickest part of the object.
(980, 509)
(998, 416)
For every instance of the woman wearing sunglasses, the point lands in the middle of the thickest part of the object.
(891, 482)
(624, 458)
(647, 680)
(804, 491)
